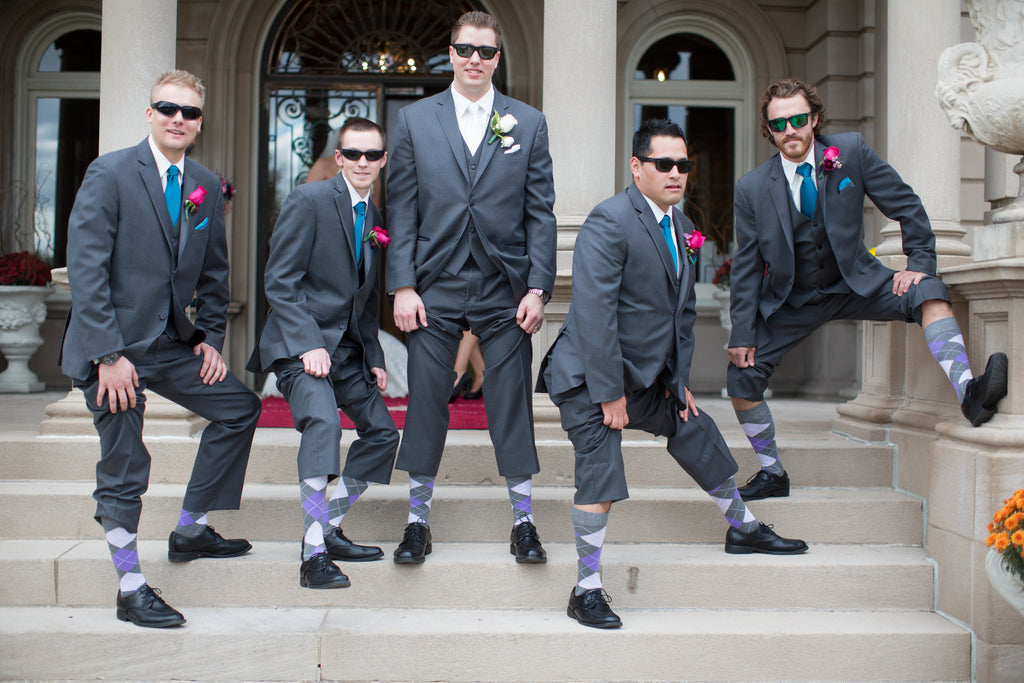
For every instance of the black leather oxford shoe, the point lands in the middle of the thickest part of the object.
(525, 544)
(415, 545)
(319, 572)
(209, 543)
(591, 609)
(983, 393)
(762, 540)
(146, 608)
(344, 550)
(765, 485)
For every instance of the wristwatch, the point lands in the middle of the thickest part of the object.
(544, 296)
(108, 359)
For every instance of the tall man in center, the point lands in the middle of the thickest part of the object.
(472, 231)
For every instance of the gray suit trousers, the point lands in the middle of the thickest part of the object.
(314, 402)
(122, 475)
(696, 444)
(488, 306)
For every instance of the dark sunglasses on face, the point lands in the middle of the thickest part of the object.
(354, 154)
(169, 109)
(664, 164)
(798, 121)
(465, 50)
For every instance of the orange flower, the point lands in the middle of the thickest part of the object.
(990, 540)
(1018, 538)
(1001, 515)
(1014, 520)
(1002, 542)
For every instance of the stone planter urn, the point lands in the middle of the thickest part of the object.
(1005, 583)
(22, 310)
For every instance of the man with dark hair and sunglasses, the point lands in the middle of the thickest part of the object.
(146, 239)
(801, 262)
(470, 200)
(622, 359)
(320, 339)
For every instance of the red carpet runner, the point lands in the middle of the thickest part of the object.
(465, 414)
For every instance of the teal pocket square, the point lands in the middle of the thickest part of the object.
(844, 183)
(207, 220)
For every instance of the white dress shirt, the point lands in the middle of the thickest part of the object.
(795, 179)
(473, 117)
(658, 215)
(162, 164)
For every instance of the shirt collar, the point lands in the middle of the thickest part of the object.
(354, 195)
(162, 162)
(462, 103)
(789, 167)
(658, 213)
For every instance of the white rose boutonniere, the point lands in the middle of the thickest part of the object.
(500, 127)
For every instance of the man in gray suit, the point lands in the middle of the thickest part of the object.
(320, 339)
(801, 261)
(145, 236)
(470, 200)
(622, 359)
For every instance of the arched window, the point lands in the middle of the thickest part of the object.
(59, 123)
(696, 74)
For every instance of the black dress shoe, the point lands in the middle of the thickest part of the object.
(525, 544)
(764, 484)
(415, 545)
(591, 609)
(983, 393)
(209, 543)
(763, 540)
(146, 608)
(319, 572)
(473, 395)
(340, 548)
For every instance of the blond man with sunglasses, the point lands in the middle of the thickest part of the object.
(801, 262)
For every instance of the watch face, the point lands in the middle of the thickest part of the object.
(110, 359)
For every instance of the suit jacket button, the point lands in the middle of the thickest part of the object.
(162, 316)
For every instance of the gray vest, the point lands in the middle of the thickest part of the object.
(816, 270)
(469, 243)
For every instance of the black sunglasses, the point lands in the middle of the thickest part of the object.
(465, 50)
(798, 121)
(354, 154)
(169, 109)
(664, 164)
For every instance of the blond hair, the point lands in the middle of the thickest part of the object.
(182, 78)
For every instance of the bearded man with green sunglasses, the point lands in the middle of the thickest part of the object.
(801, 261)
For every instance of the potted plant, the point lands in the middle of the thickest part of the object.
(1004, 563)
(24, 286)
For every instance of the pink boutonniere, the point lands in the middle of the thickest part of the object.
(693, 242)
(194, 200)
(378, 237)
(829, 161)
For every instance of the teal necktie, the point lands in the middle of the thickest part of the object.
(808, 191)
(666, 232)
(172, 194)
(360, 208)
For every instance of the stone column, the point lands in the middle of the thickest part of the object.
(579, 104)
(925, 151)
(142, 33)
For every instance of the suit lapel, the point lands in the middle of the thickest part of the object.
(501, 105)
(653, 230)
(343, 202)
(782, 197)
(450, 125)
(680, 223)
(822, 180)
(151, 179)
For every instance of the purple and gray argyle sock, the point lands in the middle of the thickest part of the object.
(732, 506)
(191, 524)
(589, 528)
(947, 345)
(520, 494)
(346, 493)
(758, 425)
(125, 554)
(421, 495)
(314, 515)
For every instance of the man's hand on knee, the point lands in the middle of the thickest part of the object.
(409, 310)
(742, 356)
(117, 383)
(316, 362)
(615, 413)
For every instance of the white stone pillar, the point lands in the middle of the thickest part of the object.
(138, 44)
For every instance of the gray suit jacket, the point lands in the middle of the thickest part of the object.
(433, 194)
(124, 275)
(763, 267)
(312, 280)
(630, 324)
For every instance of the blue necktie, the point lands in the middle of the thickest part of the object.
(172, 194)
(808, 191)
(666, 232)
(360, 208)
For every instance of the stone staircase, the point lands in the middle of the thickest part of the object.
(858, 606)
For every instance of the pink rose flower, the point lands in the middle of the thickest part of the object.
(378, 237)
(695, 240)
(194, 200)
(829, 161)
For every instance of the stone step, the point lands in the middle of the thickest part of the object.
(470, 575)
(820, 459)
(479, 513)
(360, 644)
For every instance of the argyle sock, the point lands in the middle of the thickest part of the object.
(125, 554)
(732, 506)
(314, 515)
(345, 495)
(758, 425)
(589, 528)
(421, 495)
(191, 523)
(520, 494)
(947, 345)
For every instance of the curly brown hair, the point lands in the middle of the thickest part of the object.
(788, 88)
